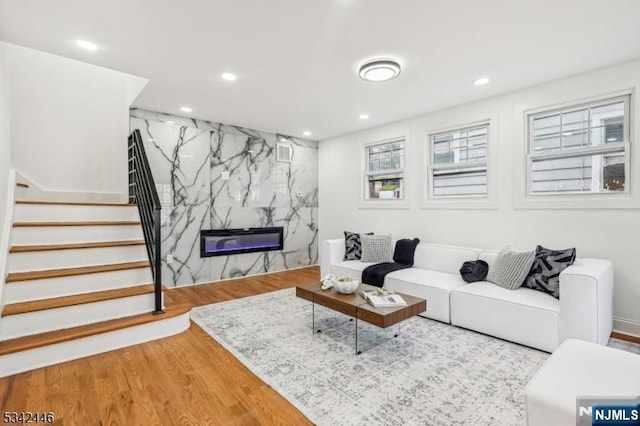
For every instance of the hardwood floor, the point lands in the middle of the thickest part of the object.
(184, 379)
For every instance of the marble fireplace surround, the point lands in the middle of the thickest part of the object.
(216, 176)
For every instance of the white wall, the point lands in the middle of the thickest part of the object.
(5, 147)
(5, 165)
(605, 232)
(69, 122)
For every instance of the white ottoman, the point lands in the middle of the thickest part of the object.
(579, 369)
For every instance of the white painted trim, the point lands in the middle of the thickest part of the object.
(91, 345)
(37, 192)
(626, 326)
(246, 276)
(6, 234)
(404, 203)
(587, 201)
(490, 118)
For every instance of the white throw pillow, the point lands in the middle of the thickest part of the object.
(377, 248)
(511, 268)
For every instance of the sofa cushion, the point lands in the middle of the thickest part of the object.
(405, 249)
(442, 258)
(349, 268)
(523, 315)
(433, 286)
(545, 272)
(377, 248)
(511, 268)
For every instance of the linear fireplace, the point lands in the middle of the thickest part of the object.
(222, 242)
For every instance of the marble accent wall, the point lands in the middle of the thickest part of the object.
(189, 158)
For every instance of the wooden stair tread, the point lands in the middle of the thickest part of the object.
(76, 299)
(71, 223)
(74, 203)
(22, 184)
(68, 272)
(59, 336)
(48, 247)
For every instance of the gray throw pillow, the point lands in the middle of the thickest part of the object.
(511, 268)
(545, 273)
(377, 248)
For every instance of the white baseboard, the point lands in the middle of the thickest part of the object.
(625, 326)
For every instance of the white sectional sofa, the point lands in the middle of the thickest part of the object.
(525, 316)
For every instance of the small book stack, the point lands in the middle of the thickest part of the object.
(378, 300)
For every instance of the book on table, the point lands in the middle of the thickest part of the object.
(383, 300)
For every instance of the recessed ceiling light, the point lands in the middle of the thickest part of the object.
(87, 45)
(151, 140)
(481, 81)
(229, 76)
(379, 70)
(364, 116)
(169, 122)
(283, 139)
(306, 133)
(185, 109)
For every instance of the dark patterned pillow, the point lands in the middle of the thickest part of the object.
(545, 272)
(353, 246)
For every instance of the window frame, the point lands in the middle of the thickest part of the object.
(581, 151)
(384, 203)
(464, 119)
(432, 167)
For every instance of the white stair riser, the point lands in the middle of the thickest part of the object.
(74, 234)
(59, 259)
(66, 213)
(23, 291)
(66, 351)
(72, 316)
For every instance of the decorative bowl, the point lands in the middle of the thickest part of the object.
(346, 285)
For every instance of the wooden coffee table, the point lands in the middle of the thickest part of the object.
(355, 306)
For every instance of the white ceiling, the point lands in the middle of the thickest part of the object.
(296, 60)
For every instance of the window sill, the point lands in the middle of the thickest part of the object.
(459, 204)
(578, 202)
(383, 204)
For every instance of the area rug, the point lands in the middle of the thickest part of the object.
(431, 374)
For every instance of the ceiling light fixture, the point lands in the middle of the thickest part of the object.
(364, 116)
(481, 81)
(87, 45)
(306, 133)
(379, 70)
(228, 76)
(185, 109)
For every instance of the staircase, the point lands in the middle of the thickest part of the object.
(79, 283)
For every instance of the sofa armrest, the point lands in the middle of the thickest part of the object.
(586, 301)
(331, 251)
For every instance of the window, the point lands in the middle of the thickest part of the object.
(458, 163)
(582, 149)
(384, 175)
